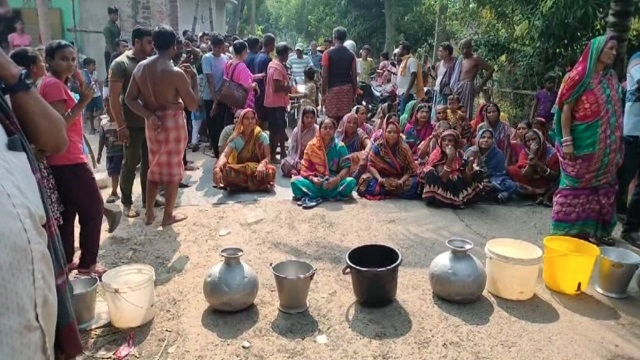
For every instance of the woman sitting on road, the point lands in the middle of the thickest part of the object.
(517, 140)
(324, 169)
(501, 131)
(497, 184)
(418, 129)
(362, 114)
(244, 165)
(449, 179)
(304, 132)
(378, 133)
(391, 170)
(357, 142)
(428, 146)
(537, 167)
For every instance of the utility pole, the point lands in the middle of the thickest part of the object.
(42, 7)
(195, 18)
(211, 28)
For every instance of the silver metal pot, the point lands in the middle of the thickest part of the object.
(84, 299)
(230, 285)
(293, 280)
(456, 275)
(615, 269)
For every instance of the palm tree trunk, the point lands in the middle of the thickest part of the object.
(195, 17)
(389, 26)
(619, 25)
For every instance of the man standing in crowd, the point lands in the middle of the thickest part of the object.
(37, 313)
(111, 33)
(444, 71)
(409, 79)
(213, 65)
(464, 77)
(298, 63)
(276, 100)
(367, 68)
(260, 67)
(130, 125)
(159, 92)
(339, 76)
(316, 57)
(253, 43)
(631, 163)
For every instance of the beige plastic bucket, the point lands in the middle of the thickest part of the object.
(130, 295)
(513, 267)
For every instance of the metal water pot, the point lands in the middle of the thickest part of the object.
(614, 271)
(230, 285)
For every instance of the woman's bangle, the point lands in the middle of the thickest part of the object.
(446, 168)
(548, 171)
(121, 127)
(567, 143)
(567, 138)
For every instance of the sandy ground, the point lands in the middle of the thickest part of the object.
(271, 228)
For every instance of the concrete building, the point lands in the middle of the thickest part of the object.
(91, 17)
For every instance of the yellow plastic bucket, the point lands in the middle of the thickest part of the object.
(568, 263)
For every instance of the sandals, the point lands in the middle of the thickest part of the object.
(95, 270)
(308, 203)
(113, 198)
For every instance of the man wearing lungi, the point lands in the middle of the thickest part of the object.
(160, 92)
(339, 77)
(465, 72)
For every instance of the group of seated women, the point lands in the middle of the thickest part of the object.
(448, 161)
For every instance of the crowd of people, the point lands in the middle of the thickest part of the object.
(161, 88)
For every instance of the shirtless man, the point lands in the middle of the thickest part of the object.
(159, 92)
(465, 86)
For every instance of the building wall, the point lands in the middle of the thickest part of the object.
(64, 6)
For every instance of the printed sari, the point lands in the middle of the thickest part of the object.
(391, 162)
(299, 139)
(456, 191)
(323, 163)
(414, 135)
(408, 113)
(584, 205)
(546, 155)
(240, 171)
(356, 144)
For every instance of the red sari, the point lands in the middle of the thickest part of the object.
(546, 155)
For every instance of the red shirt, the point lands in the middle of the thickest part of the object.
(273, 99)
(54, 90)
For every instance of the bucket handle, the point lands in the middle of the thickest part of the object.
(346, 270)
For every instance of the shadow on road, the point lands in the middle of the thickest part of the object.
(389, 322)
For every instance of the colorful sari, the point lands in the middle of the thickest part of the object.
(414, 136)
(356, 144)
(240, 171)
(408, 113)
(323, 163)
(392, 162)
(584, 205)
(492, 163)
(455, 191)
(546, 155)
(299, 139)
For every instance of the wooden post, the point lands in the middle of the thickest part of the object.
(75, 24)
(42, 7)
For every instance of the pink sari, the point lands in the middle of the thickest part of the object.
(242, 76)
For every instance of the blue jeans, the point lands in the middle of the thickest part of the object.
(404, 103)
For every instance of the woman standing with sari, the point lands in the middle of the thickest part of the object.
(391, 170)
(418, 129)
(449, 179)
(244, 165)
(237, 71)
(589, 125)
(324, 169)
(304, 132)
(537, 167)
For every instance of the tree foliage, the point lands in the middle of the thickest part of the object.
(524, 39)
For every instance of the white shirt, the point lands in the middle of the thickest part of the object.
(28, 301)
(632, 106)
(403, 81)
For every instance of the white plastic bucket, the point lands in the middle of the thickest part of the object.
(130, 294)
(513, 267)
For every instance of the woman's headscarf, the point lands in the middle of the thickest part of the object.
(354, 141)
(299, 136)
(389, 159)
(439, 154)
(408, 112)
(479, 118)
(584, 70)
(545, 151)
(426, 130)
(251, 144)
(501, 130)
(493, 159)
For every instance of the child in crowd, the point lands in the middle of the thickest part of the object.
(95, 108)
(544, 100)
(30, 60)
(310, 95)
(198, 116)
(115, 154)
(459, 120)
